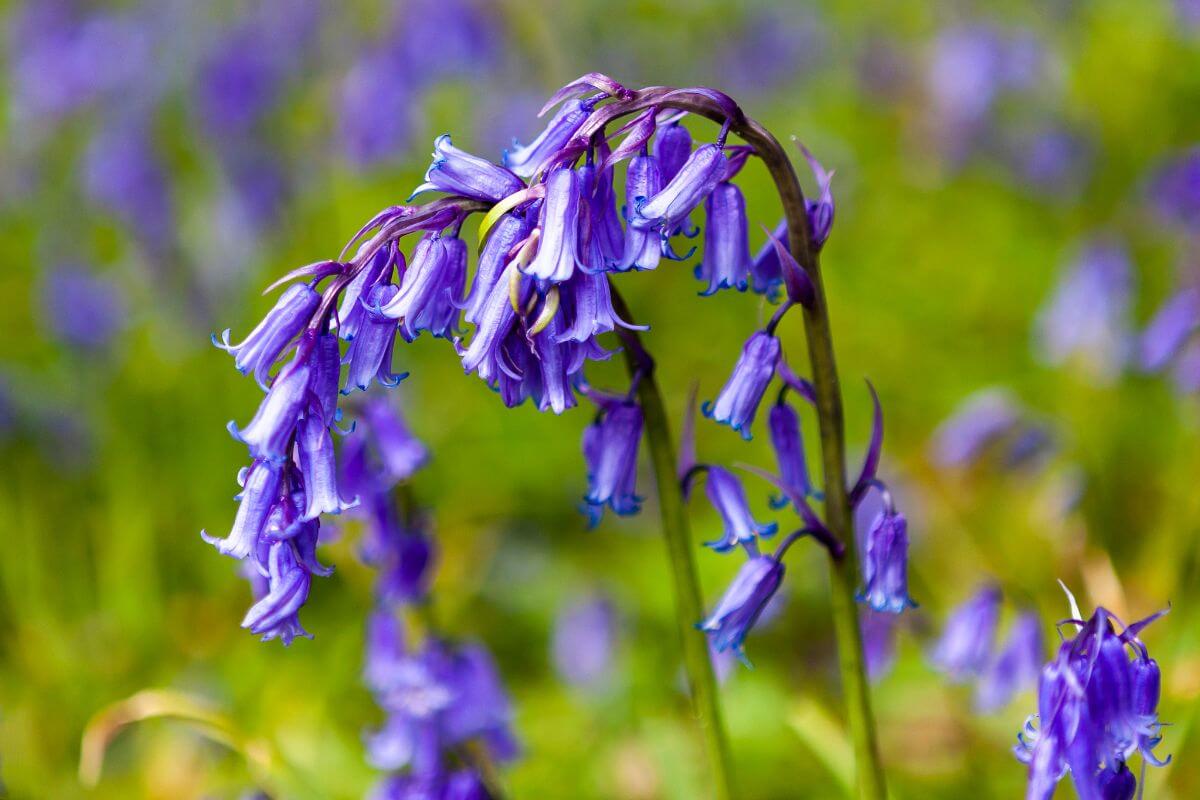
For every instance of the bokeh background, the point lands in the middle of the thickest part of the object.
(163, 161)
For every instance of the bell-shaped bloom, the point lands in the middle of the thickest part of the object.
(275, 616)
(743, 602)
(269, 433)
(672, 146)
(584, 642)
(487, 355)
(525, 160)
(558, 246)
(378, 270)
(554, 362)
(783, 423)
(432, 287)
(726, 263)
(738, 401)
(728, 497)
(314, 446)
(1170, 329)
(326, 360)
(965, 647)
(766, 270)
(1016, 667)
(81, 309)
(370, 352)
(1119, 784)
(885, 564)
(400, 452)
(587, 302)
(283, 323)
(700, 174)
(979, 421)
(602, 208)
(1087, 317)
(456, 171)
(506, 234)
(642, 248)
(610, 448)
(260, 490)
(879, 642)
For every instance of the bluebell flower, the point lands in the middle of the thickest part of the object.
(82, 310)
(1087, 316)
(432, 287)
(558, 242)
(610, 448)
(885, 564)
(1117, 785)
(728, 497)
(820, 210)
(487, 354)
(1016, 667)
(505, 235)
(124, 175)
(642, 248)
(260, 491)
(738, 401)
(753, 587)
(726, 262)
(458, 172)
(977, 423)
(783, 423)
(314, 448)
(400, 452)
(584, 641)
(275, 615)
(262, 346)
(696, 179)
(370, 353)
(1174, 189)
(672, 146)
(879, 641)
(605, 225)
(375, 108)
(526, 160)
(555, 365)
(965, 647)
(766, 270)
(1170, 328)
(402, 551)
(378, 270)
(586, 300)
(269, 433)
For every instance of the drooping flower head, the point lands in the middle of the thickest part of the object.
(456, 171)
(885, 564)
(755, 584)
(696, 179)
(965, 647)
(1016, 667)
(726, 262)
(728, 497)
(610, 447)
(738, 401)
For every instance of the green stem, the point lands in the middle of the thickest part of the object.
(689, 608)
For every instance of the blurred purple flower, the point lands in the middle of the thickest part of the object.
(374, 109)
(773, 48)
(879, 641)
(1054, 161)
(80, 309)
(965, 647)
(1016, 667)
(124, 175)
(885, 563)
(610, 448)
(1087, 316)
(584, 641)
(977, 423)
(1174, 190)
(1170, 328)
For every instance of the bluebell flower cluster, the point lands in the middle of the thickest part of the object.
(1097, 706)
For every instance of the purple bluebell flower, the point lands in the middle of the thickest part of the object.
(726, 262)
(555, 367)
(773, 46)
(672, 146)
(1117, 785)
(766, 270)
(728, 497)
(584, 639)
(1174, 190)
(275, 615)
(262, 346)
(260, 491)
(738, 401)
(753, 587)
(1170, 328)
(879, 641)
(1052, 161)
(885, 564)
(820, 211)
(1185, 374)
(696, 179)
(605, 225)
(610, 448)
(783, 423)
(400, 452)
(965, 647)
(1016, 667)
(432, 287)
(123, 174)
(82, 310)
(456, 171)
(314, 446)
(402, 551)
(487, 354)
(269, 433)
(1088, 314)
(587, 300)
(979, 422)
(558, 244)
(378, 270)
(506, 234)
(370, 352)
(526, 160)
(642, 248)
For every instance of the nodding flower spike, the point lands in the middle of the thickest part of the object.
(728, 497)
(700, 174)
(965, 647)
(486, 354)
(738, 401)
(874, 450)
(591, 81)
(378, 270)
(266, 343)
(799, 285)
(726, 262)
(558, 246)
(610, 448)
(370, 353)
(456, 171)
(642, 248)
(260, 490)
(639, 130)
(820, 211)
(510, 231)
(749, 593)
(766, 270)
(269, 434)
(587, 302)
(526, 160)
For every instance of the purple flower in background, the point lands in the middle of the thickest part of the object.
(726, 262)
(584, 641)
(879, 641)
(885, 564)
(398, 451)
(1088, 314)
(1053, 161)
(977, 423)
(738, 401)
(465, 35)
(81, 310)
(1170, 328)
(123, 175)
(526, 160)
(456, 171)
(1188, 12)
(1016, 667)
(610, 448)
(755, 584)
(773, 48)
(374, 109)
(1174, 190)
(1186, 372)
(728, 497)
(965, 647)
(669, 207)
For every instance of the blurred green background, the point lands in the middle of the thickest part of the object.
(162, 162)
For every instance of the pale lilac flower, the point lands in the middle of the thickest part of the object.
(1016, 667)
(456, 171)
(558, 245)
(82, 310)
(584, 641)
(526, 160)
(432, 287)
(1170, 328)
(610, 448)
(885, 564)
(642, 248)
(965, 647)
